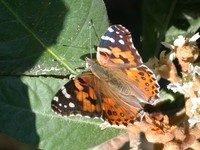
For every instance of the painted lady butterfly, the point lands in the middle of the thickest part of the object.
(114, 86)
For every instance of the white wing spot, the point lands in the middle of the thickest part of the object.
(117, 32)
(121, 42)
(71, 76)
(120, 36)
(108, 38)
(55, 98)
(67, 95)
(71, 105)
(133, 46)
(110, 29)
(87, 116)
(132, 43)
(64, 91)
(117, 28)
(65, 106)
(60, 104)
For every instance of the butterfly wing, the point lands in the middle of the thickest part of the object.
(116, 48)
(119, 109)
(78, 97)
(86, 96)
(104, 94)
(119, 113)
(145, 82)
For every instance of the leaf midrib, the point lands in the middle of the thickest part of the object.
(37, 38)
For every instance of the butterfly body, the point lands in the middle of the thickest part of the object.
(114, 78)
(114, 86)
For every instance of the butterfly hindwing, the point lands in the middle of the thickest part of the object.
(77, 97)
(119, 113)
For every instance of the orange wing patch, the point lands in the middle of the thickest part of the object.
(117, 113)
(78, 97)
(146, 82)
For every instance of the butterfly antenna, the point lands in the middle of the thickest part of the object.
(92, 26)
(92, 30)
(90, 37)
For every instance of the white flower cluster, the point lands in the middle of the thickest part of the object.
(195, 110)
(185, 84)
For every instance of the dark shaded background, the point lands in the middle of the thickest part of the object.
(128, 14)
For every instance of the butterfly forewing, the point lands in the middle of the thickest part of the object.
(77, 97)
(116, 47)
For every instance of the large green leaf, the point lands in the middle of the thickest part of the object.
(26, 115)
(35, 33)
(51, 38)
(46, 38)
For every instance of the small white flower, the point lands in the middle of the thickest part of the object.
(195, 110)
(152, 63)
(190, 68)
(180, 41)
(172, 56)
(182, 88)
(197, 70)
(162, 54)
(198, 92)
(168, 45)
(193, 70)
(194, 37)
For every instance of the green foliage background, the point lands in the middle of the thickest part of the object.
(43, 40)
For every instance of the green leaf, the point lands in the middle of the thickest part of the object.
(51, 38)
(26, 115)
(46, 38)
(36, 33)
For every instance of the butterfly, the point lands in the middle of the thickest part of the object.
(115, 85)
